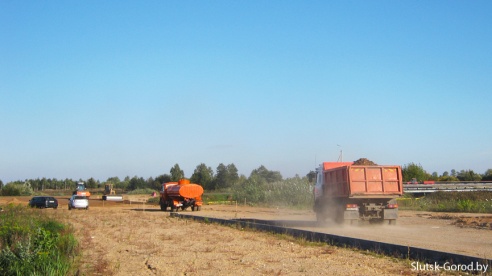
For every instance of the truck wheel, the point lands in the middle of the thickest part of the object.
(173, 209)
(198, 208)
(163, 207)
(192, 208)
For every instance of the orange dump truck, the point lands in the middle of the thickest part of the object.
(347, 193)
(181, 194)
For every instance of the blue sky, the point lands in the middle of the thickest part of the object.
(124, 88)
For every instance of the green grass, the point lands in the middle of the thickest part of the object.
(33, 244)
(216, 197)
(467, 202)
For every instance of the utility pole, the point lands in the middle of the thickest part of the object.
(340, 157)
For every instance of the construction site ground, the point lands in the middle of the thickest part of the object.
(135, 238)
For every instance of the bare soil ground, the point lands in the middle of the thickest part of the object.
(460, 233)
(139, 239)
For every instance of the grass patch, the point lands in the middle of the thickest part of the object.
(33, 244)
(209, 197)
(463, 202)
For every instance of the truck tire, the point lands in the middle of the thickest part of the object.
(163, 207)
(173, 208)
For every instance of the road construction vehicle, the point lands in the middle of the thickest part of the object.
(80, 190)
(109, 193)
(348, 193)
(181, 195)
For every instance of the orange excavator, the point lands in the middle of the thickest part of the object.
(181, 194)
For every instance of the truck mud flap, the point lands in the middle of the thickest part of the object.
(390, 213)
(351, 215)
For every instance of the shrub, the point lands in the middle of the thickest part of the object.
(465, 205)
(292, 192)
(251, 191)
(16, 189)
(31, 244)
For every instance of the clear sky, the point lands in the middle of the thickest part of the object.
(124, 88)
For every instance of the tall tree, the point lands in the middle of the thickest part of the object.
(434, 176)
(163, 178)
(91, 183)
(412, 170)
(311, 176)
(204, 176)
(44, 184)
(221, 176)
(469, 175)
(453, 172)
(68, 184)
(232, 175)
(137, 183)
(176, 173)
(269, 176)
(114, 180)
(487, 176)
(1, 184)
(226, 176)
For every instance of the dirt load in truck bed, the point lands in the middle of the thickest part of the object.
(364, 162)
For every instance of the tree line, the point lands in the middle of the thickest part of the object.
(414, 171)
(224, 177)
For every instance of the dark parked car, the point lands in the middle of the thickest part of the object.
(43, 202)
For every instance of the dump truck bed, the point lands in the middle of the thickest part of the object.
(363, 181)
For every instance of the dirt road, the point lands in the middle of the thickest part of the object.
(138, 239)
(467, 234)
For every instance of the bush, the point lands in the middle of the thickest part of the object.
(10, 190)
(16, 190)
(293, 192)
(31, 244)
(251, 191)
